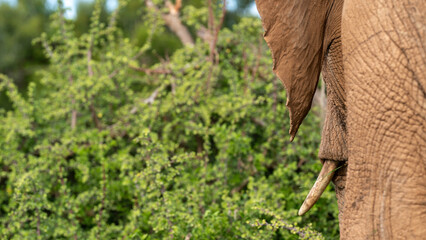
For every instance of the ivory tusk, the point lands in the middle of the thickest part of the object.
(321, 183)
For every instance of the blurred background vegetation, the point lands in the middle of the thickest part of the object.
(20, 60)
(113, 127)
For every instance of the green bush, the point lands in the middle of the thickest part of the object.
(104, 147)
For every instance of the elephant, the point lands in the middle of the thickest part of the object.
(372, 56)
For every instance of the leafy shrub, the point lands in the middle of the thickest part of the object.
(106, 148)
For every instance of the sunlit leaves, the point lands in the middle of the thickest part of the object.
(156, 156)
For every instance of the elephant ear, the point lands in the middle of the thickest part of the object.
(294, 31)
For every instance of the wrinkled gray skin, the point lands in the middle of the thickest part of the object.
(372, 55)
(384, 49)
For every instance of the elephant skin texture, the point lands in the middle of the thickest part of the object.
(372, 56)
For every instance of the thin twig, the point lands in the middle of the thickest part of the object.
(240, 187)
(73, 111)
(94, 116)
(47, 48)
(151, 71)
(151, 98)
(113, 74)
(211, 16)
(214, 41)
(89, 58)
(219, 26)
(245, 70)
(70, 78)
(146, 45)
(90, 72)
(113, 19)
(62, 20)
(258, 56)
(259, 122)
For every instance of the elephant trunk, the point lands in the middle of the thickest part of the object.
(324, 178)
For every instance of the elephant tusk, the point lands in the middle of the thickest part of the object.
(321, 183)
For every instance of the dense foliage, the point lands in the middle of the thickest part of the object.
(193, 147)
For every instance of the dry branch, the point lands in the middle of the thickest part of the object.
(218, 27)
(215, 33)
(151, 71)
(173, 21)
(204, 34)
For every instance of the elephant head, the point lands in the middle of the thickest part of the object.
(304, 38)
(372, 57)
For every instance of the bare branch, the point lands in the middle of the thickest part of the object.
(47, 48)
(151, 71)
(205, 34)
(259, 122)
(178, 5)
(240, 187)
(214, 41)
(151, 98)
(172, 21)
(218, 27)
(211, 16)
(113, 74)
(89, 58)
(95, 116)
(174, 9)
